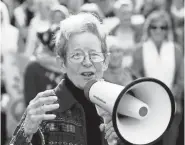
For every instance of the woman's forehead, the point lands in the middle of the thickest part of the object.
(84, 41)
(159, 21)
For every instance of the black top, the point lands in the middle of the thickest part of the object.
(91, 116)
(37, 79)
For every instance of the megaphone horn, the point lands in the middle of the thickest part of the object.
(141, 111)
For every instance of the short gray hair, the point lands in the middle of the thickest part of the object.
(79, 23)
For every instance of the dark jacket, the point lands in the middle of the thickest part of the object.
(68, 128)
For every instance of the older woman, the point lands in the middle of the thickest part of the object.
(63, 115)
(159, 57)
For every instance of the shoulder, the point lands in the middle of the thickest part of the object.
(33, 66)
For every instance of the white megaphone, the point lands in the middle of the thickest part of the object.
(141, 111)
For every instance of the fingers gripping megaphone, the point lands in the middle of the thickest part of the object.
(141, 112)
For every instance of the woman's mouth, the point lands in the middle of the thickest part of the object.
(87, 74)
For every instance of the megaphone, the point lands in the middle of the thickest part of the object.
(141, 111)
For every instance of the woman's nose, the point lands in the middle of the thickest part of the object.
(87, 62)
(158, 30)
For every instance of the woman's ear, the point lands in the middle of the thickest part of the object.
(106, 62)
(61, 63)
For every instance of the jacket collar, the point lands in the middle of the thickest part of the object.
(65, 97)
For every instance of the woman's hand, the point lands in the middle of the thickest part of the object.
(36, 111)
(110, 134)
(107, 126)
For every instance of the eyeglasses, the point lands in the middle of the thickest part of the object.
(78, 57)
(158, 27)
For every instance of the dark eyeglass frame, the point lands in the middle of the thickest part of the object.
(164, 28)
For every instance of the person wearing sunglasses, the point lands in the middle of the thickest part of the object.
(159, 57)
(63, 115)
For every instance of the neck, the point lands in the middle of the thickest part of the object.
(158, 45)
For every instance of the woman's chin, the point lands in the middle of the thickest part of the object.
(85, 80)
(88, 78)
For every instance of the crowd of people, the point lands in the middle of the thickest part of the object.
(142, 38)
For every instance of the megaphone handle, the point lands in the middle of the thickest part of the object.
(104, 114)
(106, 119)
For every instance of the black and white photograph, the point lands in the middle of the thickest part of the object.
(92, 72)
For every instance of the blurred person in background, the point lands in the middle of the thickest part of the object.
(127, 23)
(148, 7)
(21, 19)
(116, 72)
(43, 72)
(11, 5)
(106, 6)
(11, 75)
(40, 22)
(92, 8)
(177, 12)
(58, 13)
(128, 28)
(160, 57)
(74, 6)
(109, 23)
(63, 115)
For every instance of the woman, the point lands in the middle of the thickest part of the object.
(40, 22)
(117, 72)
(159, 57)
(128, 29)
(92, 8)
(63, 115)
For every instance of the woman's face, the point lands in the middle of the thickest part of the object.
(158, 30)
(84, 44)
(116, 57)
